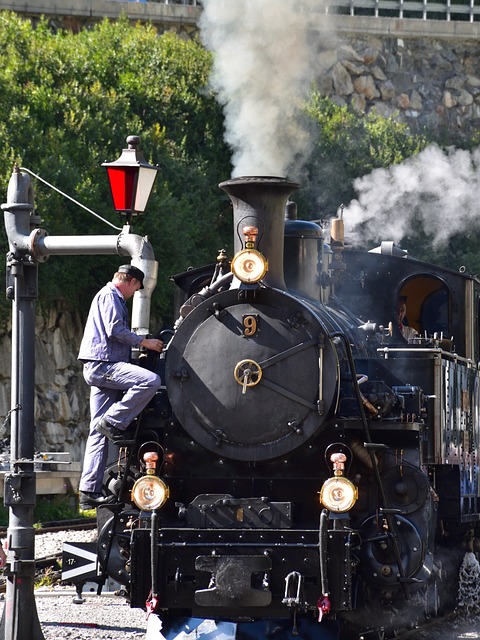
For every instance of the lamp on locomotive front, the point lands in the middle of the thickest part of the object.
(131, 179)
(338, 494)
(150, 492)
(249, 265)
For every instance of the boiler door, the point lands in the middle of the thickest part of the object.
(252, 380)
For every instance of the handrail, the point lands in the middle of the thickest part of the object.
(404, 9)
(435, 351)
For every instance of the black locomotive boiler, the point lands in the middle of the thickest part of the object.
(312, 472)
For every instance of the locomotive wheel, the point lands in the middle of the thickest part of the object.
(252, 380)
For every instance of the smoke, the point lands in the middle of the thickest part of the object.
(264, 64)
(436, 191)
(265, 60)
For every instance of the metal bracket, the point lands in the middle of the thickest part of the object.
(19, 488)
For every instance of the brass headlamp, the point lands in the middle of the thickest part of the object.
(150, 492)
(338, 494)
(249, 265)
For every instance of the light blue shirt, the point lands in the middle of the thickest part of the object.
(107, 336)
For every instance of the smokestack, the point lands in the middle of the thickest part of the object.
(260, 202)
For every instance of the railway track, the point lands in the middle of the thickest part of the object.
(78, 524)
(451, 626)
(48, 567)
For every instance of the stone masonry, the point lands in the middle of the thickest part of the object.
(61, 398)
(433, 85)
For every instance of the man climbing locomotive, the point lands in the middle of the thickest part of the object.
(119, 390)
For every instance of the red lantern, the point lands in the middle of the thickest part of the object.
(131, 179)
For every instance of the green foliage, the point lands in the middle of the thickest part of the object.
(348, 146)
(56, 508)
(47, 578)
(68, 103)
(49, 509)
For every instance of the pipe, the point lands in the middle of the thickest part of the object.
(17, 212)
(20, 620)
(125, 244)
(37, 243)
(143, 257)
(207, 292)
(323, 552)
(29, 245)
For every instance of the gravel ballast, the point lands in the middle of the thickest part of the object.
(104, 617)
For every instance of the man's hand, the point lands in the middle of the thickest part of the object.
(153, 344)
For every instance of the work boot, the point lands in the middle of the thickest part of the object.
(93, 499)
(117, 436)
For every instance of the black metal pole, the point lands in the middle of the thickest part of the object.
(20, 618)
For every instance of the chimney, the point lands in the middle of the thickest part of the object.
(260, 202)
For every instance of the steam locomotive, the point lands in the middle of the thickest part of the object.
(305, 471)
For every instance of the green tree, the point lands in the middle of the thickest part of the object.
(68, 103)
(347, 146)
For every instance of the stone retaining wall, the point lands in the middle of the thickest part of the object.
(61, 399)
(432, 84)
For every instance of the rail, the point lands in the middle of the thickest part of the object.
(465, 10)
(51, 483)
(184, 14)
(55, 473)
(424, 9)
(187, 3)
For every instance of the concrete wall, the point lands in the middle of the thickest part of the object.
(184, 17)
(75, 14)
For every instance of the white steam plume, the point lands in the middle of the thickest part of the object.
(264, 63)
(435, 190)
(265, 59)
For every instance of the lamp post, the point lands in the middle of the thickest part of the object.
(131, 179)
(29, 246)
(20, 618)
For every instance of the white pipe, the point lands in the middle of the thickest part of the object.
(18, 223)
